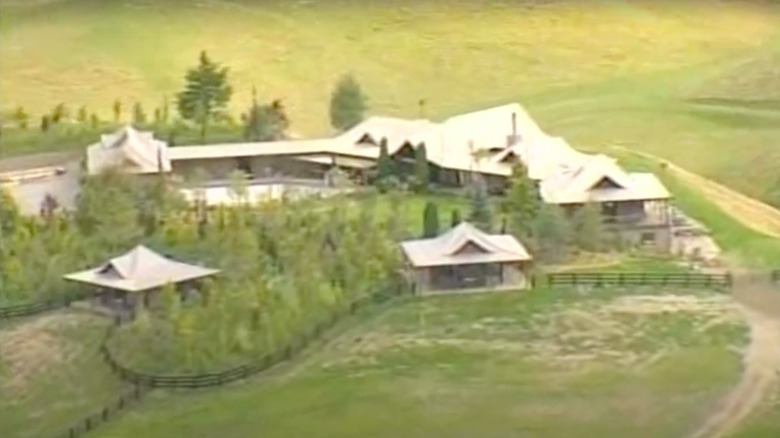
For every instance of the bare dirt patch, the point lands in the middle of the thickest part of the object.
(619, 331)
(31, 349)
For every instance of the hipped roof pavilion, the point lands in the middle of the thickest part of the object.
(138, 270)
(462, 245)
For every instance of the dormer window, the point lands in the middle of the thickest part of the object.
(367, 139)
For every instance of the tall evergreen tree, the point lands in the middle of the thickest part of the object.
(384, 165)
(82, 114)
(481, 212)
(139, 117)
(552, 233)
(521, 203)
(589, 233)
(21, 117)
(421, 174)
(430, 220)
(348, 104)
(267, 122)
(455, 218)
(206, 93)
(60, 113)
(117, 108)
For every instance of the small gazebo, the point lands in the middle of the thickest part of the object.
(467, 258)
(124, 282)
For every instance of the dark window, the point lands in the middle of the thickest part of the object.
(647, 237)
(607, 183)
(245, 165)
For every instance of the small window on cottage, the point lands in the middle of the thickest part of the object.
(647, 237)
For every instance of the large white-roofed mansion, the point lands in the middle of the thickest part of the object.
(486, 143)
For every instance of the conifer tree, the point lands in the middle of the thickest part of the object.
(421, 174)
(348, 104)
(430, 220)
(206, 93)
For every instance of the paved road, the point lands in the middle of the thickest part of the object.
(64, 188)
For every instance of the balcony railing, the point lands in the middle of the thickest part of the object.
(633, 220)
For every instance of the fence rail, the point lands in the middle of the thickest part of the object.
(638, 279)
(28, 309)
(241, 372)
(105, 414)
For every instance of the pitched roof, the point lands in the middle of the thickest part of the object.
(250, 149)
(447, 248)
(140, 269)
(145, 153)
(578, 184)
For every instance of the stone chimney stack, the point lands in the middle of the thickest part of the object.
(512, 139)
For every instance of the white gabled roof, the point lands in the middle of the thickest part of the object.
(444, 250)
(252, 149)
(138, 270)
(575, 185)
(136, 151)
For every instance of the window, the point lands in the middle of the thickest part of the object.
(606, 183)
(647, 237)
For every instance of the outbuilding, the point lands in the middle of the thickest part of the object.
(466, 258)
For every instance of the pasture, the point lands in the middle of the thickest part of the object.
(602, 363)
(662, 77)
(51, 373)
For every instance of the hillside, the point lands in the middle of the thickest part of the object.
(599, 73)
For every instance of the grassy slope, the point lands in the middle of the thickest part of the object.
(740, 243)
(358, 386)
(58, 374)
(568, 61)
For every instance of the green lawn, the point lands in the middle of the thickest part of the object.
(52, 374)
(553, 364)
(598, 72)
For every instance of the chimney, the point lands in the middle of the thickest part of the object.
(512, 139)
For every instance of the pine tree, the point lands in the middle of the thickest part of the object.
(59, 113)
(45, 124)
(164, 111)
(82, 114)
(117, 108)
(421, 174)
(589, 233)
(552, 233)
(21, 117)
(481, 212)
(206, 93)
(384, 164)
(139, 117)
(348, 104)
(521, 203)
(267, 122)
(430, 220)
(455, 218)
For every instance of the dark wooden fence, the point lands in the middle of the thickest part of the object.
(28, 309)
(108, 412)
(289, 351)
(636, 279)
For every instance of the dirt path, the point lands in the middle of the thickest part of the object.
(751, 212)
(759, 377)
(759, 300)
(760, 304)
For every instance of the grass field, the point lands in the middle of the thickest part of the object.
(550, 364)
(51, 374)
(696, 82)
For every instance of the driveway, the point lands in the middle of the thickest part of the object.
(29, 195)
